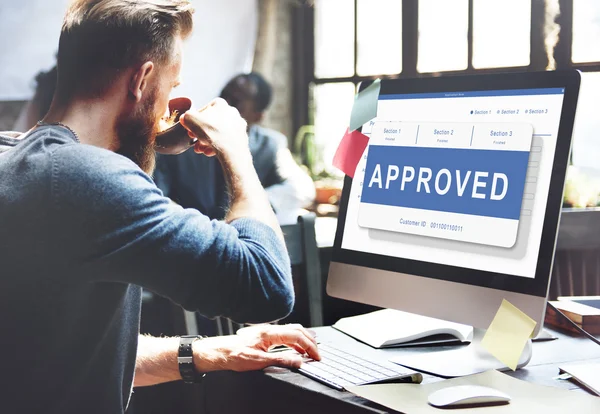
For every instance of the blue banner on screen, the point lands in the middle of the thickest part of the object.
(478, 182)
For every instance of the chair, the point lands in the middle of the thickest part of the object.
(301, 243)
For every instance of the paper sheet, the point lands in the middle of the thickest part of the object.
(526, 397)
(586, 373)
(365, 105)
(508, 333)
(352, 146)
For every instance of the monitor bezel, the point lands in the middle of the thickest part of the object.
(538, 286)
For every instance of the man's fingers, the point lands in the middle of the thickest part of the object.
(281, 359)
(299, 341)
(200, 146)
(193, 122)
(308, 346)
(252, 360)
(310, 335)
(209, 152)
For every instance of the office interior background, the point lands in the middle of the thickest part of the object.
(315, 53)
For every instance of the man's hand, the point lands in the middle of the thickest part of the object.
(221, 131)
(248, 350)
(219, 128)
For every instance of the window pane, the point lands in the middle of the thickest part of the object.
(443, 28)
(501, 33)
(586, 145)
(379, 37)
(332, 105)
(586, 31)
(334, 38)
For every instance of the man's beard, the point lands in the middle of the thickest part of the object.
(137, 133)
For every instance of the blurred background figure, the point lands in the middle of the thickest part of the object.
(38, 106)
(196, 181)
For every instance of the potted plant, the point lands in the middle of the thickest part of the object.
(328, 181)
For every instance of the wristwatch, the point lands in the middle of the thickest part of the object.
(185, 359)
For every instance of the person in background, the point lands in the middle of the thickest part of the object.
(84, 228)
(288, 187)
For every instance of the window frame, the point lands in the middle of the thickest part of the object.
(304, 50)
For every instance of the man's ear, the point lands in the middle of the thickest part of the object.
(139, 80)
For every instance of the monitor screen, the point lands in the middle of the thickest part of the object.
(457, 179)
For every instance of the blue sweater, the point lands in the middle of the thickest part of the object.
(81, 230)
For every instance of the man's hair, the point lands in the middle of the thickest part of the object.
(261, 93)
(100, 38)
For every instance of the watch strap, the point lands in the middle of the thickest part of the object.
(185, 359)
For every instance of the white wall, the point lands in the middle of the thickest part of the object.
(221, 46)
(29, 30)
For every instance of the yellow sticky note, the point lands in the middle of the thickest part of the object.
(508, 333)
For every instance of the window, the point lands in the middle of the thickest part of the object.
(333, 103)
(443, 35)
(357, 40)
(334, 43)
(586, 31)
(379, 26)
(586, 145)
(501, 33)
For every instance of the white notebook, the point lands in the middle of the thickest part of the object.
(587, 374)
(391, 328)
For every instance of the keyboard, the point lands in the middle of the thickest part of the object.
(339, 369)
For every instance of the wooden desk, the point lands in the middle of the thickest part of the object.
(279, 390)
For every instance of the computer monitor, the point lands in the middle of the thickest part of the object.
(456, 202)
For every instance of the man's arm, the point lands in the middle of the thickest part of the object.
(222, 132)
(157, 357)
(135, 235)
(156, 361)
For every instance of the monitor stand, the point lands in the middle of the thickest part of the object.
(459, 362)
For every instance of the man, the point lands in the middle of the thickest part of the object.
(83, 227)
(289, 188)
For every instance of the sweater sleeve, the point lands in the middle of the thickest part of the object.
(120, 228)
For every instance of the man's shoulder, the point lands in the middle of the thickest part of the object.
(90, 155)
(88, 163)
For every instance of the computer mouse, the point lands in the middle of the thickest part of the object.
(467, 395)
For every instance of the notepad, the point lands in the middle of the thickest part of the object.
(586, 374)
(391, 328)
